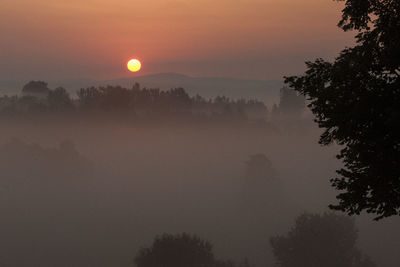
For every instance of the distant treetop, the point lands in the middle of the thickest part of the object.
(35, 87)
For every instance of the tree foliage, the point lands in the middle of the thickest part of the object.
(35, 87)
(320, 240)
(59, 99)
(176, 251)
(180, 250)
(356, 99)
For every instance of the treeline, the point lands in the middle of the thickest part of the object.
(36, 97)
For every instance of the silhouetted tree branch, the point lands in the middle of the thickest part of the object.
(356, 99)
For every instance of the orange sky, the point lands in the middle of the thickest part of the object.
(266, 39)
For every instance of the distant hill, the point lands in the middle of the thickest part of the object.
(208, 87)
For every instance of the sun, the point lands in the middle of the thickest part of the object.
(134, 65)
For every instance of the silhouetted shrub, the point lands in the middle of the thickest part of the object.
(181, 250)
(327, 240)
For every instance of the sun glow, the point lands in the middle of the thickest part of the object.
(134, 65)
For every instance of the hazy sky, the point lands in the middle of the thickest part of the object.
(263, 39)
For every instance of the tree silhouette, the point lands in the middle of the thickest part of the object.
(176, 251)
(356, 99)
(59, 99)
(180, 250)
(320, 240)
(35, 88)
